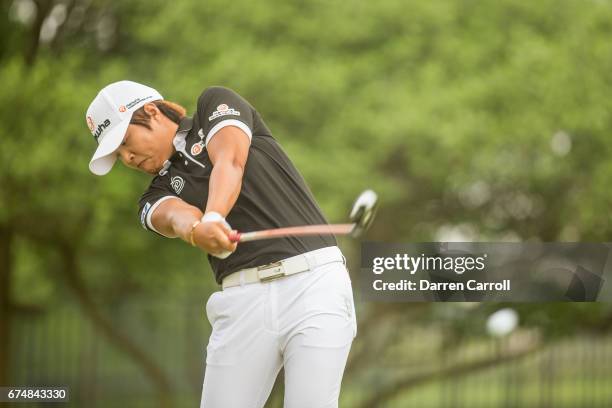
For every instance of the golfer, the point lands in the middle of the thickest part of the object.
(284, 302)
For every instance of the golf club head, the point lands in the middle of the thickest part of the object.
(363, 211)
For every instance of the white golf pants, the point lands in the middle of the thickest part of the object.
(305, 322)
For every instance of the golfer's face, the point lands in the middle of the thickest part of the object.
(142, 149)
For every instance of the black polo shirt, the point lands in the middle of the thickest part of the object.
(273, 192)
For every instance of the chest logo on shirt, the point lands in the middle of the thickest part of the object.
(223, 110)
(197, 148)
(177, 184)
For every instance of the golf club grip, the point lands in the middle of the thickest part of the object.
(234, 236)
(324, 229)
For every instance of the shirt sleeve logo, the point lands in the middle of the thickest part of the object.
(197, 148)
(177, 184)
(143, 215)
(223, 110)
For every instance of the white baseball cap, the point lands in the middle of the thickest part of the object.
(108, 117)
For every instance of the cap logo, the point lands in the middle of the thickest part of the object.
(122, 108)
(90, 123)
(137, 101)
(222, 108)
(101, 128)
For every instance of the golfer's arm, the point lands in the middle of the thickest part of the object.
(174, 218)
(228, 151)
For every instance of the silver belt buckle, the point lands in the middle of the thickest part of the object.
(270, 271)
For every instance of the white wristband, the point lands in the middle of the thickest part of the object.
(213, 216)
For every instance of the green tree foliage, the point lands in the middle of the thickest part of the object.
(488, 119)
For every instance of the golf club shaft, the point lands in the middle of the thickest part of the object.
(336, 229)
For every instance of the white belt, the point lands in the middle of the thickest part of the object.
(275, 270)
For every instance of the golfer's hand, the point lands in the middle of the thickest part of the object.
(212, 237)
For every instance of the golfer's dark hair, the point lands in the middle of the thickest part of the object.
(171, 110)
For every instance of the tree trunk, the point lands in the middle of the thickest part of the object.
(43, 7)
(104, 326)
(6, 238)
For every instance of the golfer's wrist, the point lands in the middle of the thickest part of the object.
(191, 238)
(190, 232)
(183, 224)
(212, 216)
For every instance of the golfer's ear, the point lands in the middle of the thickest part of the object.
(150, 108)
(229, 145)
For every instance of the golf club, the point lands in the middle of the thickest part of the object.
(362, 215)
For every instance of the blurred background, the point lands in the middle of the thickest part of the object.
(473, 120)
